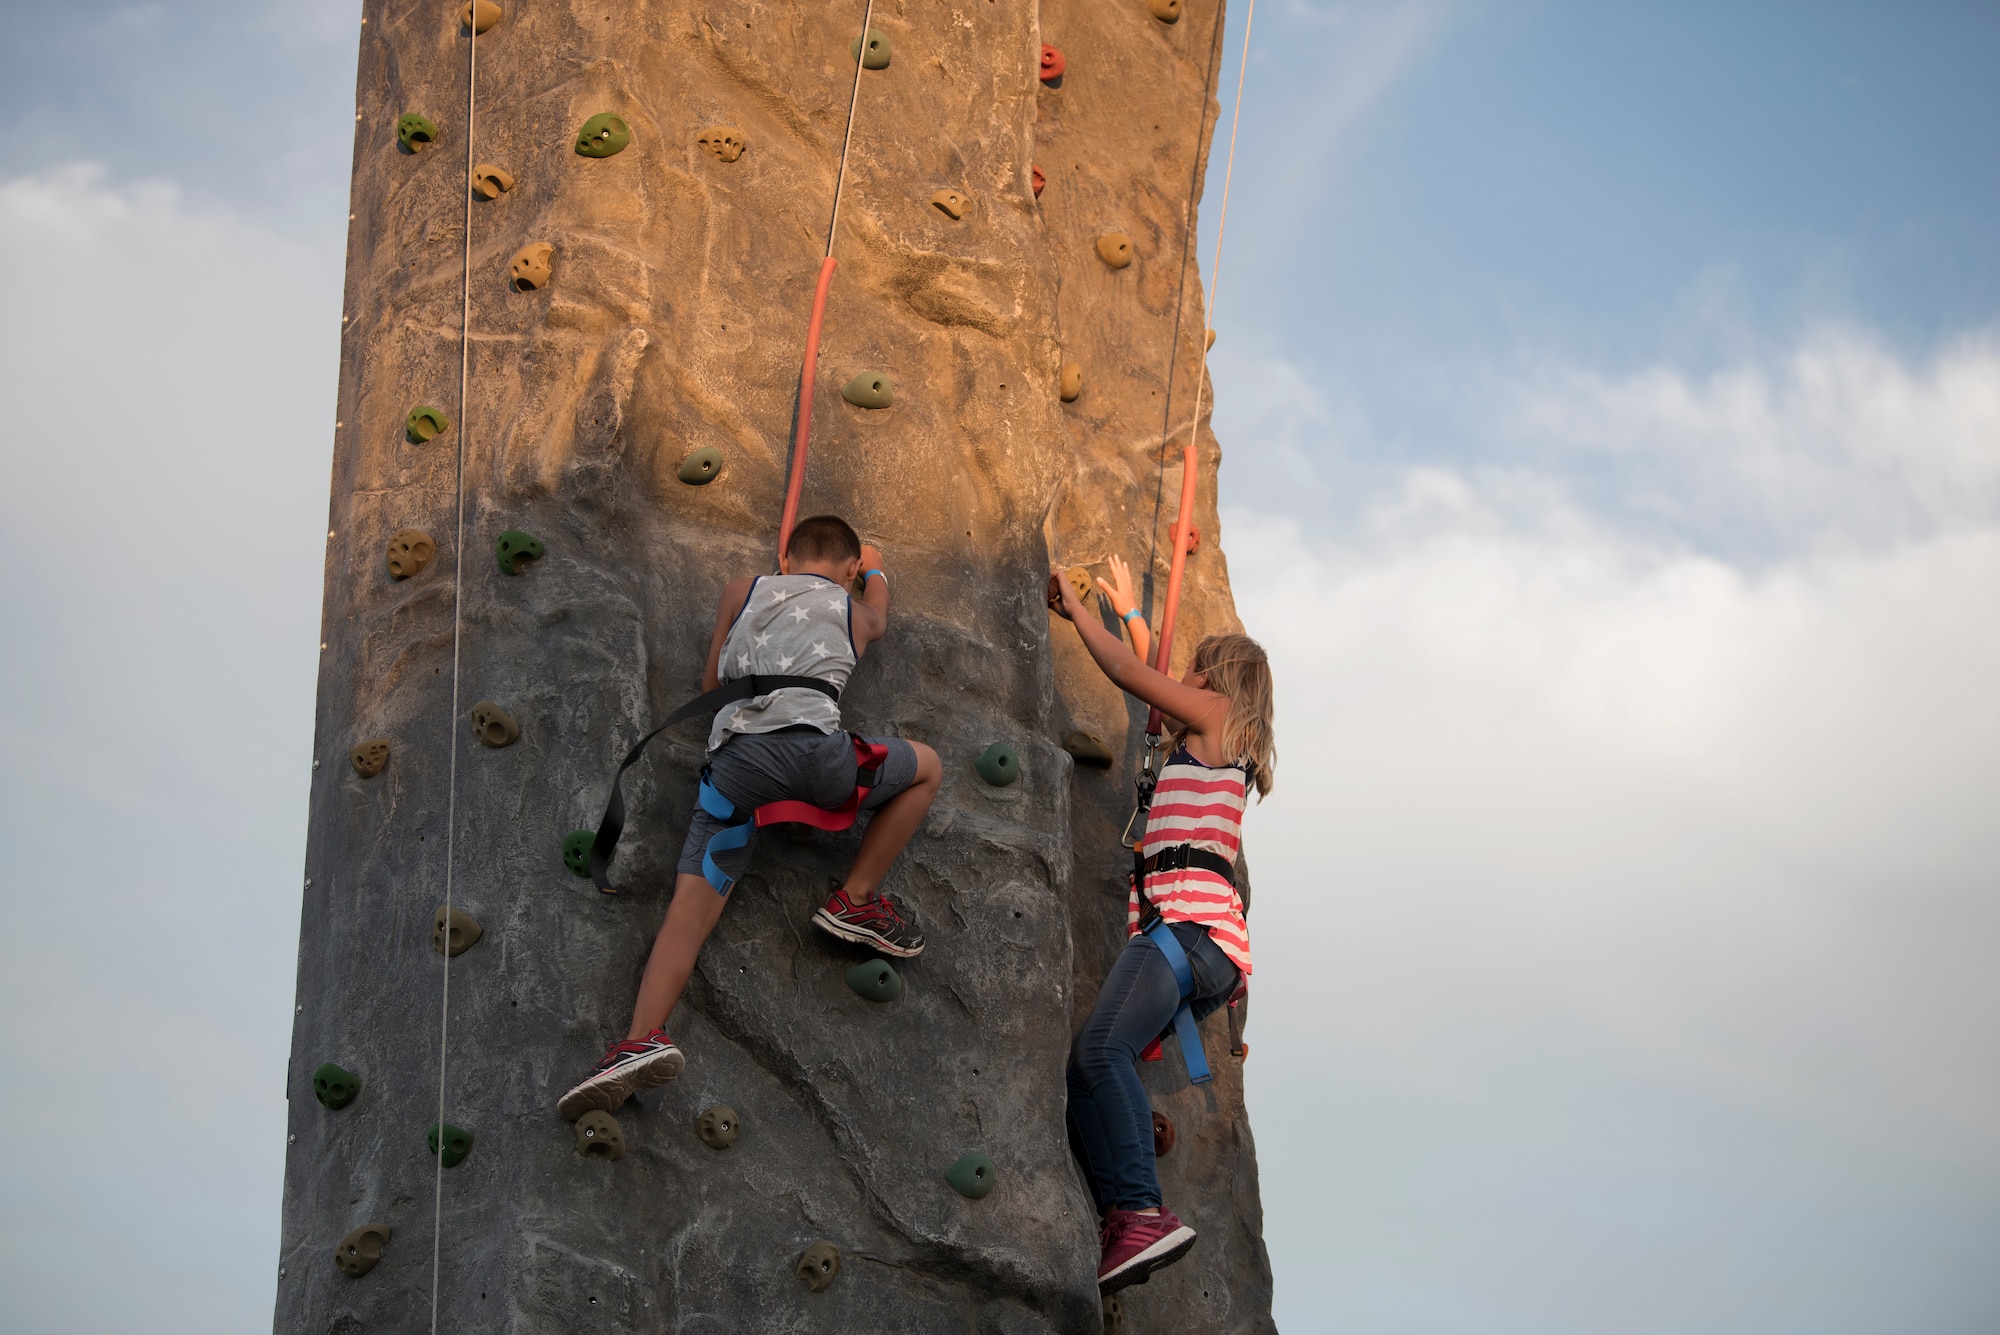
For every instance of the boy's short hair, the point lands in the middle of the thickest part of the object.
(824, 538)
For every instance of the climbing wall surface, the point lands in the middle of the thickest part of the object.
(649, 207)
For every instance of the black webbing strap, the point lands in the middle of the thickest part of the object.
(743, 688)
(1187, 855)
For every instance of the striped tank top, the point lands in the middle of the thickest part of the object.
(791, 626)
(1201, 805)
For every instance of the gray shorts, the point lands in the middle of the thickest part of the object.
(795, 764)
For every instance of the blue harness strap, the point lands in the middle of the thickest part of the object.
(726, 840)
(1192, 1054)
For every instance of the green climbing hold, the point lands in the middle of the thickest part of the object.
(414, 131)
(425, 423)
(457, 1144)
(602, 135)
(703, 466)
(876, 980)
(878, 51)
(870, 389)
(972, 1176)
(334, 1087)
(515, 549)
(576, 851)
(998, 765)
(1087, 750)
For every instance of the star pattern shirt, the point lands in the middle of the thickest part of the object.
(784, 631)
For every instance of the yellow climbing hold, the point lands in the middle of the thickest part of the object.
(1166, 11)
(724, 141)
(479, 15)
(490, 181)
(1115, 249)
(532, 265)
(951, 203)
(1070, 386)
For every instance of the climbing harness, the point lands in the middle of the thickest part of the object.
(868, 761)
(1162, 935)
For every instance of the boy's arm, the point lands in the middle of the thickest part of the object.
(871, 609)
(734, 593)
(1176, 699)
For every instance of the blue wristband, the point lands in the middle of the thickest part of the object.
(1127, 618)
(866, 573)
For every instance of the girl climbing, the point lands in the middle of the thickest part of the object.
(1183, 904)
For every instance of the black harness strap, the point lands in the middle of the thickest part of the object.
(1187, 855)
(743, 688)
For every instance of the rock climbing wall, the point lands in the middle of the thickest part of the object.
(651, 203)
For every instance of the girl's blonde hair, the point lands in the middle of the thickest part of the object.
(1238, 670)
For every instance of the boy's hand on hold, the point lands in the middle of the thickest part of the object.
(871, 556)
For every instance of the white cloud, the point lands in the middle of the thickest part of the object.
(1624, 915)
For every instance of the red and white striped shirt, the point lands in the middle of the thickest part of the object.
(1200, 805)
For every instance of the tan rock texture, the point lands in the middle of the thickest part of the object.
(674, 320)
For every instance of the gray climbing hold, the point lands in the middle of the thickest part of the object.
(1087, 750)
(998, 765)
(870, 389)
(598, 1136)
(360, 1250)
(876, 980)
(718, 1127)
(878, 51)
(819, 1265)
(454, 931)
(971, 1176)
(701, 467)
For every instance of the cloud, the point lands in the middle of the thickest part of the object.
(1623, 910)
(166, 394)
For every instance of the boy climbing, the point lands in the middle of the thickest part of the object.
(1189, 943)
(784, 745)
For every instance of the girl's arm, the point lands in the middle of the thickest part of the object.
(1119, 592)
(1202, 710)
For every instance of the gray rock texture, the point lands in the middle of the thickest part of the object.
(674, 320)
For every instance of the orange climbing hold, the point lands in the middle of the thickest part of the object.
(1052, 65)
(1036, 179)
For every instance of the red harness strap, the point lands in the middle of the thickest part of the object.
(868, 761)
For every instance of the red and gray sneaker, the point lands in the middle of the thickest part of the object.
(878, 923)
(1135, 1245)
(627, 1068)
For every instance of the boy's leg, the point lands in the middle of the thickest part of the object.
(691, 916)
(891, 825)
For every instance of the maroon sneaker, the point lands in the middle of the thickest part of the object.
(878, 923)
(1135, 1245)
(627, 1067)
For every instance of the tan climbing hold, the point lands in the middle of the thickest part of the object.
(410, 550)
(1085, 749)
(479, 15)
(598, 1136)
(1211, 340)
(725, 141)
(490, 181)
(1166, 11)
(1070, 385)
(532, 265)
(493, 725)
(454, 931)
(369, 757)
(819, 1265)
(951, 203)
(1115, 249)
(360, 1250)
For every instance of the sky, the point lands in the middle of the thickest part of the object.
(1610, 397)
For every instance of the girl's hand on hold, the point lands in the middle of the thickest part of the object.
(1062, 595)
(1119, 591)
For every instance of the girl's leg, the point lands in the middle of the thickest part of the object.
(1113, 1122)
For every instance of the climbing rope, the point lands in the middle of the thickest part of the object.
(1189, 460)
(796, 482)
(457, 625)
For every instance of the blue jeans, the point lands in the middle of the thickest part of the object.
(1110, 1117)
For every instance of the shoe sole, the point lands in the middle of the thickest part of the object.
(1140, 1268)
(608, 1091)
(833, 926)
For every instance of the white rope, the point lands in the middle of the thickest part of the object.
(853, 100)
(457, 623)
(1222, 222)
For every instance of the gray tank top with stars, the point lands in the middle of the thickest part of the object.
(792, 626)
